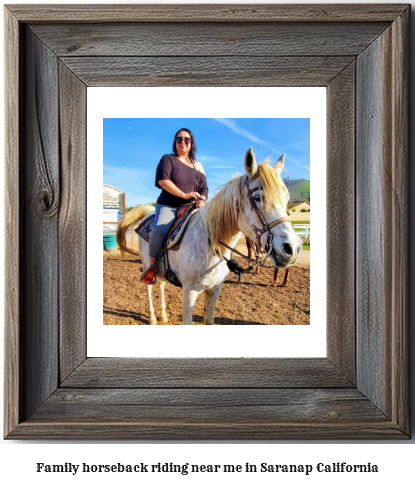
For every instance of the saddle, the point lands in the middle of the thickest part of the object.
(183, 218)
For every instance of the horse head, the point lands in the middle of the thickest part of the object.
(263, 214)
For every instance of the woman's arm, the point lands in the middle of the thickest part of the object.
(199, 167)
(169, 186)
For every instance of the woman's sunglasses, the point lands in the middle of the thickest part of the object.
(187, 140)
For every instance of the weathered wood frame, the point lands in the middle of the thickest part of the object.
(360, 53)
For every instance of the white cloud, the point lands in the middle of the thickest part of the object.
(225, 166)
(233, 126)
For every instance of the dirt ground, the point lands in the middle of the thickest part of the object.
(254, 301)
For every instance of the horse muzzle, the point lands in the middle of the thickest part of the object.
(286, 254)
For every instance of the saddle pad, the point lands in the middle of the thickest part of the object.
(178, 231)
(144, 229)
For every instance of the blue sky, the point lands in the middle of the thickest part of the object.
(133, 148)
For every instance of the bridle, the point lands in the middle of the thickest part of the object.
(259, 232)
(265, 227)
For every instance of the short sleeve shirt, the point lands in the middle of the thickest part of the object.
(187, 179)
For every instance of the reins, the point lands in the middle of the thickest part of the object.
(253, 261)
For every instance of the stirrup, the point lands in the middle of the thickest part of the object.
(149, 276)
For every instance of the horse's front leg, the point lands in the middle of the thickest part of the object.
(164, 318)
(211, 297)
(152, 319)
(189, 297)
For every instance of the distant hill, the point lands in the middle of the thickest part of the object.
(299, 190)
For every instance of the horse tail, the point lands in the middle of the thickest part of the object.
(127, 222)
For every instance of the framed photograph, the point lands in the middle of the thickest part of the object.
(358, 390)
(126, 150)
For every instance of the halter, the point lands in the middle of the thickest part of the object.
(265, 227)
(258, 232)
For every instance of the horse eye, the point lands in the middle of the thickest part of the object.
(257, 198)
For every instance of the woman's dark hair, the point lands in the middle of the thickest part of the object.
(193, 148)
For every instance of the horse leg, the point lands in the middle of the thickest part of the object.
(284, 283)
(211, 297)
(251, 253)
(286, 277)
(275, 281)
(188, 302)
(164, 318)
(152, 319)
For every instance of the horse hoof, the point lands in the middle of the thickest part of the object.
(164, 319)
(152, 320)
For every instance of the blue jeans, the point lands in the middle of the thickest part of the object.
(163, 220)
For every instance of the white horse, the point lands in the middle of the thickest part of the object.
(254, 204)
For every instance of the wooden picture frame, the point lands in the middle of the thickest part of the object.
(360, 53)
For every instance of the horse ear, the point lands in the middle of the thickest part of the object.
(279, 165)
(251, 166)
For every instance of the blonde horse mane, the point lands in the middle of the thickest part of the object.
(274, 189)
(220, 214)
(130, 219)
(220, 210)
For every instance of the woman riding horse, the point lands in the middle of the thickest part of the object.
(255, 204)
(182, 180)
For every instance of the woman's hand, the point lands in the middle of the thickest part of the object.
(201, 201)
(192, 194)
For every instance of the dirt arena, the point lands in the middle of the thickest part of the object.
(254, 301)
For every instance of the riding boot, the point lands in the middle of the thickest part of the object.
(149, 276)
